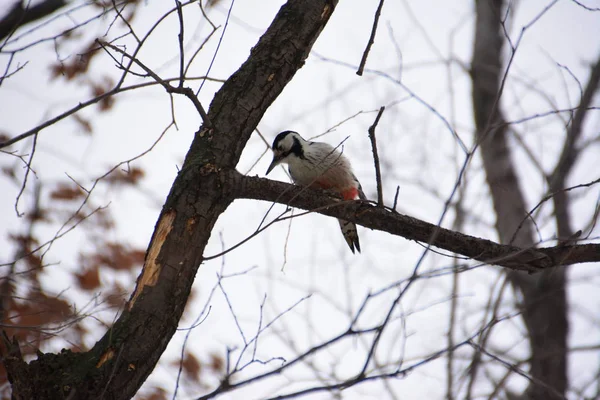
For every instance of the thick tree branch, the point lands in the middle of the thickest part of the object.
(384, 219)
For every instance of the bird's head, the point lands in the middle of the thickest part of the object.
(287, 144)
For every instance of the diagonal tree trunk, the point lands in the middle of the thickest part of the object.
(544, 297)
(121, 361)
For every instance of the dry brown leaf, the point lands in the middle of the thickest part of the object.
(89, 279)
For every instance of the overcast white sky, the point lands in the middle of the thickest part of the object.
(309, 257)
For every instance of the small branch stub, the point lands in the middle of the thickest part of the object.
(376, 157)
(363, 61)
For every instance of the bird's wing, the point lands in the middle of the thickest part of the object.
(361, 194)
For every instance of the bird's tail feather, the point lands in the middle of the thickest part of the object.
(350, 234)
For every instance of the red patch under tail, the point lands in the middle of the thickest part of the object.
(350, 194)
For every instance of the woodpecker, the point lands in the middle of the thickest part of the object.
(319, 165)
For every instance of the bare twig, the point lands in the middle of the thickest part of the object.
(218, 44)
(333, 128)
(198, 49)
(123, 19)
(411, 94)
(85, 104)
(585, 7)
(7, 72)
(396, 198)
(363, 61)
(27, 169)
(520, 372)
(63, 229)
(548, 197)
(186, 91)
(206, 16)
(570, 150)
(376, 157)
(180, 37)
(20, 15)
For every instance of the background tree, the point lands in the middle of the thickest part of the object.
(301, 317)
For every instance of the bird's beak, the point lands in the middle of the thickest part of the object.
(274, 163)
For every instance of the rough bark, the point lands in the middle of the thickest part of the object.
(120, 362)
(544, 297)
(528, 260)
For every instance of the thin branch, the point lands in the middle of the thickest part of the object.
(7, 72)
(27, 169)
(512, 367)
(396, 198)
(199, 48)
(233, 314)
(124, 20)
(411, 93)
(259, 230)
(80, 106)
(186, 91)
(218, 44)
(206, 16)
(548, 197)
(584, 6)
(398, 372)
(226, 386)
(376, 157)
(570, 150)
(180, 37)
(363, 61)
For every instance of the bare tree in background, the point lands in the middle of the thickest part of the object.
(544, 304)
(117, 365)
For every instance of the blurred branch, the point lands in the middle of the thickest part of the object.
(27, 170)
(20, 15)
(350, 333)
(544, 296)
(512, 367)
(186, 91)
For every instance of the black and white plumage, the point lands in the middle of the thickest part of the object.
(318, 164)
